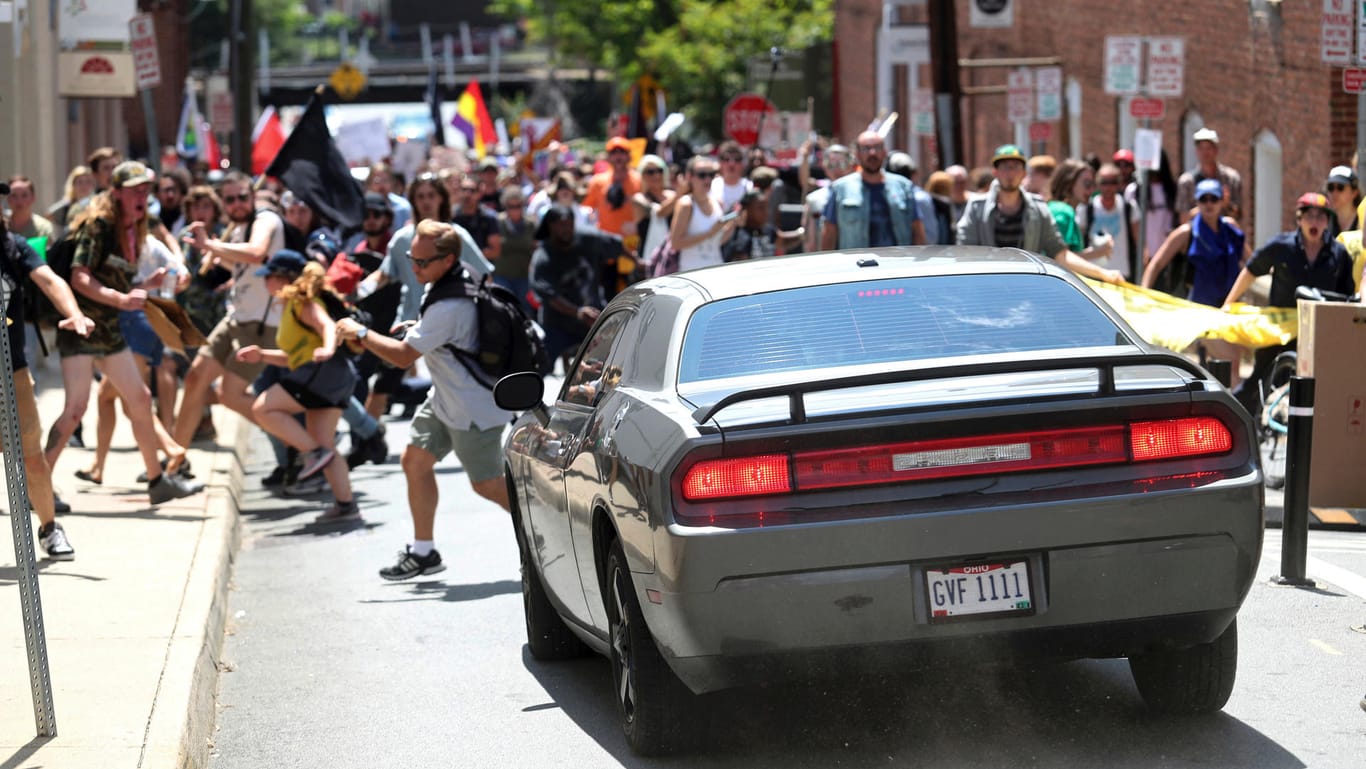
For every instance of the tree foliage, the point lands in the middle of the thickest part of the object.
(697, 49)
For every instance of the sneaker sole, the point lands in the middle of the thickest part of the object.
(61, 557)
(437, 569)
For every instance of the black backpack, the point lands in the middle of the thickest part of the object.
(509, 341)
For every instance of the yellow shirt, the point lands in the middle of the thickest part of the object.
(1351, 240)
(296, 339)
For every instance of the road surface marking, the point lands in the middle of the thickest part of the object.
(1347, 580)
(1325, 648)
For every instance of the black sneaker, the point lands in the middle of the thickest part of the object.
(167, 487)
(412, 565)
(315, 461)
(379, 447)
(55, 543)
(58, 505)
(276, 477)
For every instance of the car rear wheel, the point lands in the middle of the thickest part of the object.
(1185, 681)
(546, 633)
(652, 702)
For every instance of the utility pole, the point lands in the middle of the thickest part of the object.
(948, 91)
(240, 58)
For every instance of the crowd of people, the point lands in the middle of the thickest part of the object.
(307, 324)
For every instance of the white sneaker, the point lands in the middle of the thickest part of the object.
(55, 543)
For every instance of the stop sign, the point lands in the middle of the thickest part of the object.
(742, 115)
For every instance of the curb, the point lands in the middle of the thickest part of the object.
(180, 728)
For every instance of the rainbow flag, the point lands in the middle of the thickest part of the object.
(472, 120)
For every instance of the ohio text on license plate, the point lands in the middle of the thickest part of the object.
(979, 588)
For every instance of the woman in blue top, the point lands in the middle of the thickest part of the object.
(1215, 249)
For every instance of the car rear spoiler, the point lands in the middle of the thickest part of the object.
(1106, 364)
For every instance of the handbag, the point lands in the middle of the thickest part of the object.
(664, 260)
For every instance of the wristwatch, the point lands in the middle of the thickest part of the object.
(361, 333)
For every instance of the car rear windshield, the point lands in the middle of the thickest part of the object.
(890, 320)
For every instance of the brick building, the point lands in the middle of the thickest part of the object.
(1252, 73)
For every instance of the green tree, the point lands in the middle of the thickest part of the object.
(697, 49)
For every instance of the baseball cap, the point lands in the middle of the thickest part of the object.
(1008, 152)
(618, 143)
(375, 201)
(1314, 200)
(286, 261)
(556, 213)
(131, 173)
(1206, 135)
(1342, 175)
(1123, 156)
(488, 163)
(1209, 187)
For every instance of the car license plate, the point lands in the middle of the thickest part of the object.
(978, 589)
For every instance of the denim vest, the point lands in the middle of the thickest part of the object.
(851, 210)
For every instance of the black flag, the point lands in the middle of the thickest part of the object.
(434, 101)
(310, 166)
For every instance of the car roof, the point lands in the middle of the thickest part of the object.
(853, 265)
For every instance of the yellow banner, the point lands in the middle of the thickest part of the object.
(1175, 323)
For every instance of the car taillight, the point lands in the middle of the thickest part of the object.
(1172, 438)
(739, 477)
(954, 457)
(997, 454)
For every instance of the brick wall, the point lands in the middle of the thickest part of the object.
(1245, 73)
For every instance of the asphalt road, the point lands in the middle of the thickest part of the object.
(328, 665)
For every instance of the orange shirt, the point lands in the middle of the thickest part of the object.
(610, 219)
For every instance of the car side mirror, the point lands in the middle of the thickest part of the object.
(519, 392)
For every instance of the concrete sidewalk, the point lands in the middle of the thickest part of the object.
(134, 625)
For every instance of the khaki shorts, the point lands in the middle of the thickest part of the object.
(30, 428)
(480, 451)
(229, 336)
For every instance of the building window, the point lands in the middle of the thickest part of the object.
(1073, 117)
(1192, 122)
(1266, 173)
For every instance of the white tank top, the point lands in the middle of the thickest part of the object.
(250, 300)
(708, 252)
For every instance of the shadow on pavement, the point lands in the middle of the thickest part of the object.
(436, 590)
(9, 575)
(25, 752)
(1079, 715)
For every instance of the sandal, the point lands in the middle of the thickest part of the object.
(90, 477)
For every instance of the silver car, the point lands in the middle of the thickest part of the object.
(816, 464)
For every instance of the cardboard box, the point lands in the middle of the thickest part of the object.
(1332, 350)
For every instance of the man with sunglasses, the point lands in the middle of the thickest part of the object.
(732, 183)
(252, 237)
(871, 208)
(610, 192)
(1344, 196)
(459, 415)
(1304, 256)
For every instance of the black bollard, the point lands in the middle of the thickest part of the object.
(1221, 369)
(1295, 523)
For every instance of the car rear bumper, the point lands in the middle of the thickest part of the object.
(1128, 577)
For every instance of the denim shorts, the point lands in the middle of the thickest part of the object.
(141, 337)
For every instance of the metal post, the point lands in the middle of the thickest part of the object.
(1220, 368)
(775, 55)
(31, 605)
(153, 138)
(947, 85)
(1295, 523)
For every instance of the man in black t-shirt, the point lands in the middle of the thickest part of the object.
(478, 221)
(20, 269)
(566, 275)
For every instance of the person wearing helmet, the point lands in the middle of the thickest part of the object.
(1304, 256)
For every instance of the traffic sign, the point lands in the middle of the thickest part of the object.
(143, 42)
(1040, 132)
(1166, 66)
(347, 81)
(742, 116)
(1048, 86)
(1338, 22)
(1145, 108)
(1123, 58)
(1020, 96)
(1354, 79)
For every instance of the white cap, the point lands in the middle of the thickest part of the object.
(1206, 135)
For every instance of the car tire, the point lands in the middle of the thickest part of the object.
(1187, 681)
(547, 635)
(652, 703)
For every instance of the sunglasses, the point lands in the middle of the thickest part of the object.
(732, 158)
(236, 198)
(1109, 182)
(422, 264)
(514, 206)
(1336, 187)
(1208, 199)
(704, 174)
(376, 214)
(652, 172)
